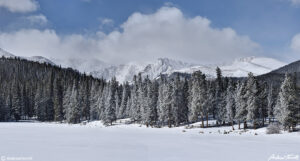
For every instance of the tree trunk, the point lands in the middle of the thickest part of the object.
(206, 119)
(245, 125)
(239, 125)
(232, 125)
(202, 120)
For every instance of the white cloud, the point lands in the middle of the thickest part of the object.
(37, 19)
(21, 6)
(144, 37)
(106, 22)
(295, 44)
(168, 33)
(295, 2)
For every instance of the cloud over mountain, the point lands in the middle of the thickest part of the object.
(143, 37)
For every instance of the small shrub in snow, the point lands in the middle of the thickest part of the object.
(190, 127)
(201, 132)
(183, 131)
(274, 128)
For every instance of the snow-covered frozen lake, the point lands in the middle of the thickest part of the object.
(93, 142)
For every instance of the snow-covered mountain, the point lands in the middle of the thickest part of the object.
(39, 59)
(153, 70)
(237, 68)
(6, 54)
(82, 64)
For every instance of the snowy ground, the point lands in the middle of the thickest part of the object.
(94, 142)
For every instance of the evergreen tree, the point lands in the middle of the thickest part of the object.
(241, 104)
(230, 104)
(271, 102)
(199, 97)
(73, 113)
(252, 95)
(110, 104)
(286, 107)
(124, 102)
(87, 100)
(220, 103)
(58, 100)
(263, 102)
(16, 101)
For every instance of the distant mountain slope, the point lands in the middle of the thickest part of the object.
(275, 77)
(290, 68)
(39, 59)
(237, 68)
(6, 54)
(125, 72)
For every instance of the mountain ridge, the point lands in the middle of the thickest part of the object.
(239, 67)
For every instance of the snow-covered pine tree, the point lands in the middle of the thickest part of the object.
(125, 97)
(165, 103)
(185, 106)
(58, 100)
(39, 106)
(230, 104)
(253, 100)
(144, 99)
(150, 101)
(86, 99)
(102, 102)
(199, 97)
(160, 100)
(16, 101)
(95, 101)
(134, 104)
(241, 104)
(67, 101)
(220, 102)
(49, 98)
(110, 103)
(211, 101)
(73, 112)
(287, 104)
(263, 102)
(271, 102)
(177, 100)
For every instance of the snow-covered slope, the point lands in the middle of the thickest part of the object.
(39, 59)
(82, 64)
(127, 71)
(256, 65)
(237, 68)
(6, 54)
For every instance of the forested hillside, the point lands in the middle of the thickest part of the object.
(43, 91)
(30, 90)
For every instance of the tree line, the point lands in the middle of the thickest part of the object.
(31, 90)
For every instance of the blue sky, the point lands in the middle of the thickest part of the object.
(272, 24)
